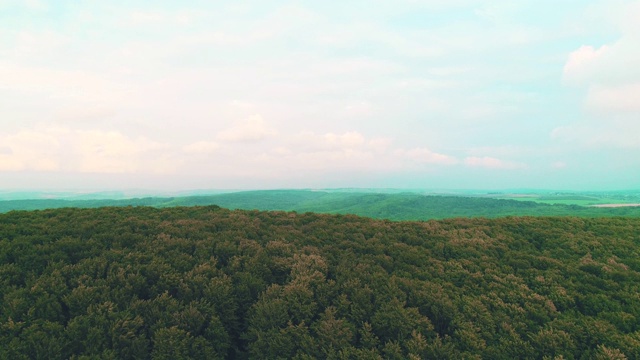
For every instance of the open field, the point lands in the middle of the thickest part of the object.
(578, 198)
(614, 205)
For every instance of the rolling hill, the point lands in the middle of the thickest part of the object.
(392, 206)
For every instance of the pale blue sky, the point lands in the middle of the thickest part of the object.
(276, 94)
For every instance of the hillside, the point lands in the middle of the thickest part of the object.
(211, 283)
(392, 206)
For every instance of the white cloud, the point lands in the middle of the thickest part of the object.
(492, 163)
(446, 71)
(379, 144)
(350, 140)
(145, 17)
(121, 71)
(596, 135)
(608, 65)
(613, 64)
(623, 98)
(161, 18)
(424, 155)
(92, 151)
(503, 151)
(10, 163)
(330, 152)
(331, 160)
(252, 129)
(29, 150)
(112, 152)
(559, 165)
(244, 105)
(32, 45)
(85, 113)
(351, 66)
(60, 85)
(581, 64)
(201, 147)
(33, 5)
(37, 5)
(347, 140)
(362, 108)
(611, 77)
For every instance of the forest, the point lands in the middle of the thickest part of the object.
(206, 282)
(385, 205)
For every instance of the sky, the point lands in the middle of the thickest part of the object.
(434, 94)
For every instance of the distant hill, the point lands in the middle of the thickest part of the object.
(393, 206)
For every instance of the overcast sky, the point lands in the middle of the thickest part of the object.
(449, 94)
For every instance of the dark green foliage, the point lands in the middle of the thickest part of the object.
(210, 283)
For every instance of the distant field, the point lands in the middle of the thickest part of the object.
(615, 205)
(580, 200)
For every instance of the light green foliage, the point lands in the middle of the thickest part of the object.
(379, 205)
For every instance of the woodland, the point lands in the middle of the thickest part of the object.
(392, 206)
(206, 282)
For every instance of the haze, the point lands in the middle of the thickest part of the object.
(272, 94)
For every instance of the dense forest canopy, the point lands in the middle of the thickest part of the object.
(211, 283)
